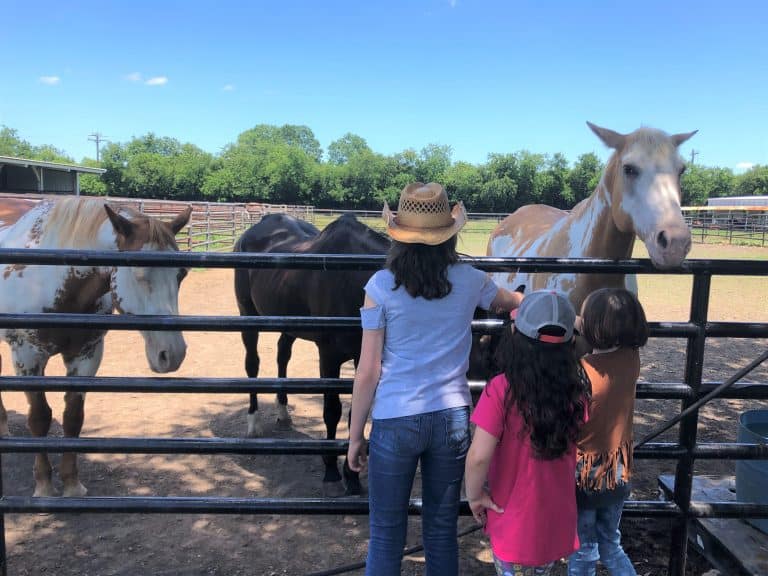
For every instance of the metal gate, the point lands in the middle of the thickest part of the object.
(687, 450)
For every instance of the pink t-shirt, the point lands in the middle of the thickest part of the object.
(538, 525)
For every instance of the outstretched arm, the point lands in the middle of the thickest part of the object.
(506, 300)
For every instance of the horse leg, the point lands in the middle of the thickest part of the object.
(74, 413)
(330, 367)
(30, 361)
(39, 422)
(284, 349)
(4, 431)
(251, 342)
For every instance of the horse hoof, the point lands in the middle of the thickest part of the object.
(255, 427)
(74, 491)
(333, 489)
(353, 488)
(284, 423)
(44, 491)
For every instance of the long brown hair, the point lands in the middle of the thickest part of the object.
(548, 387)
(423, 269)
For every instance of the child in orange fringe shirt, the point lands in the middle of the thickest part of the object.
(614, 325)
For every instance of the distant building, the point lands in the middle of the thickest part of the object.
(739, 201)
(24, 176)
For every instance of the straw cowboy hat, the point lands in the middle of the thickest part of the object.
(424, 215)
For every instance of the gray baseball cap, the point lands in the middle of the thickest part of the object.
(544, 308)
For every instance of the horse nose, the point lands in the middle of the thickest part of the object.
(674, 243)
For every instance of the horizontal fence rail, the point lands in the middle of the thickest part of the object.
(686, 450)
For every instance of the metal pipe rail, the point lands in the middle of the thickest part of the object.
(315, 323)
(300, 506)
(269, 446)
(164, 384)
(364, 262)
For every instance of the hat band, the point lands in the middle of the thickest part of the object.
(424, 220)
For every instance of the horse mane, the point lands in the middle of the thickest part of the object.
(75, 223)
(650, 139)
(338, 232)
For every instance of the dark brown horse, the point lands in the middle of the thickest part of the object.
(286, 292)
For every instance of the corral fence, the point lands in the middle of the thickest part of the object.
(212, 227)
(686, 450)
(744, 225)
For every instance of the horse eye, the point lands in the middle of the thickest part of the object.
(682, 170)
(631, 171)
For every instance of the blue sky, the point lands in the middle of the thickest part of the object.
(480, 76)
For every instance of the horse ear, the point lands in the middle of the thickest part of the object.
(680, 138)
(609, 137)
(122, 225)
(181, 220)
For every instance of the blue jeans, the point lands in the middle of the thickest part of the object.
(439, 440)
(600, 538)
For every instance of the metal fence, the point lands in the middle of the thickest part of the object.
(744, 225)
(686, 450)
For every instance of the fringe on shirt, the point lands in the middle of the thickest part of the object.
(598, 470)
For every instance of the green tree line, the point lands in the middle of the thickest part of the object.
(286, 165)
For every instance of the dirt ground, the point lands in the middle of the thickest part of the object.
(103, 544)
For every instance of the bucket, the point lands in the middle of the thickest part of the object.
(752, 475)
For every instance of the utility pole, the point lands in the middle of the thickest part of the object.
(694, 153)
(98, 138)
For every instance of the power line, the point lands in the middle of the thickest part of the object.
(98, 138)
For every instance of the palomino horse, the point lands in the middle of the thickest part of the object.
(80, 223)
(286, 292)
(638, 195)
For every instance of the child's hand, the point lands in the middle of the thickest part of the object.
(357, 456)
(480, 505)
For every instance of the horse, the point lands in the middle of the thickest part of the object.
(280, 292)
(638, 195)
(89, 224)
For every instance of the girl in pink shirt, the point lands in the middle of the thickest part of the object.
(520, 466)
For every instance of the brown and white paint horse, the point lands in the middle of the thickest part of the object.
(638, 195)
(81, 223)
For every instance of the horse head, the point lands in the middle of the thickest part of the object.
(150, 290)
(643, 180)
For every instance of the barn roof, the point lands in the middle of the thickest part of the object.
(25, 162)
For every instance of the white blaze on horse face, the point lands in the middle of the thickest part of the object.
(153, 291)
(651, 202)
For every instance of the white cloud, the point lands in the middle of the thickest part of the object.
(157, 81)
(745, 165)
(49, 80)
(229, 88)
(133, 77)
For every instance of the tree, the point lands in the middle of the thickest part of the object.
(433, 161)
(584, 176)
(12, 145)
(155, 167)
(92, 184)
(463, 181)
(300, 137)
(753, 182)
(347, 147)
(555, 190)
